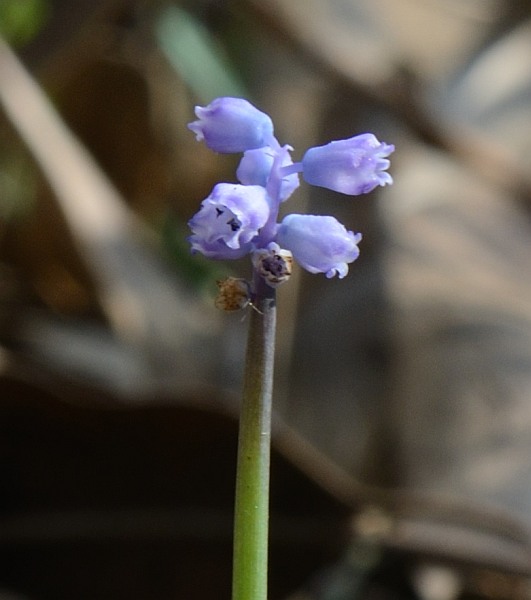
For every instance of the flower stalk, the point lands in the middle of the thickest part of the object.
(240, 219)
(251, 518)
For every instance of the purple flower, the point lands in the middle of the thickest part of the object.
(240, 219)
(319, 244)
(256, 166)
(232, 125)
(228, 220)
(354, 166)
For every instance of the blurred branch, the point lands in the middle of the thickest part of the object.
(143, 302)
(150, 524)
(452, 528)
(91, 205)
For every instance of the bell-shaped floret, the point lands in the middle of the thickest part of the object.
(232, 125)
(354, 166)
(320, 244)
(228, 220)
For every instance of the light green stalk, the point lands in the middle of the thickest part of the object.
(251, 518)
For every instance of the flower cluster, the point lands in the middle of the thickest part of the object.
(241, 218)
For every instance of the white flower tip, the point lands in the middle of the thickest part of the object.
(195, 126)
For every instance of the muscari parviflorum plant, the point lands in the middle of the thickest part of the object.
(239, 219)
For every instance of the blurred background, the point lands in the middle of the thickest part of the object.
(402, 443)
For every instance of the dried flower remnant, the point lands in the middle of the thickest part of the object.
(273, 264)
(234, 294)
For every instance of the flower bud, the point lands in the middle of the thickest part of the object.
(256, 166)
(320, 244)
(232, 125)
(354, 166)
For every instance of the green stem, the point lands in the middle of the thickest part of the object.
(251, 518)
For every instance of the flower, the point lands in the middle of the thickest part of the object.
(320, 244)
(232, 125)
(256, 167)
(354, 166)
(228, 220)
(240, 219)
